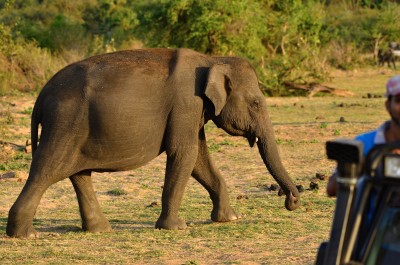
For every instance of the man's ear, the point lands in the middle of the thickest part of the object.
(218, 86)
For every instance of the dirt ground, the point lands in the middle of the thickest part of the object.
(267, 233)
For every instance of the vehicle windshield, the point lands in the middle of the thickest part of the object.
(385, 243)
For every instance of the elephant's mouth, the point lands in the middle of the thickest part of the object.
(252, 139)
(235, 130)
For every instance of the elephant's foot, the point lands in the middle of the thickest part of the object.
(224, 215)
(171, 223)
(21, 231)
(97, 226)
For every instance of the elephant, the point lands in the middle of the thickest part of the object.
(118, 111)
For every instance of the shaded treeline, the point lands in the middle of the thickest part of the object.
(286, 41)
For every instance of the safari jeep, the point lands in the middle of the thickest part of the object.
(366, 223)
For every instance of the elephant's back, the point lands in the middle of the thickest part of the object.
(131, 77)
(139, 56)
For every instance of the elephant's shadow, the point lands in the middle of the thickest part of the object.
(64, 226)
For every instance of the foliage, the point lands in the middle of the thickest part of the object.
(48, 23)
(285, 44)
(112, 20)
(296, 31)
(211, 26)
(296, 40)
(23, 65)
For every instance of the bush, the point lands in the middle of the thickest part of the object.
(295, 41)
(344, 56)
(23, 65)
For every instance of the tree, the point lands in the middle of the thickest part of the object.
(113, 20)
(210, 26)
(294, 40)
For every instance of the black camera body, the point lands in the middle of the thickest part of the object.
(366, 223)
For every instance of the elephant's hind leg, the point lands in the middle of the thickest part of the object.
(20, 216)
(43, 173)
(208, 175)
(93, 220)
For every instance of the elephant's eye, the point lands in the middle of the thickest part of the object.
(255, 105)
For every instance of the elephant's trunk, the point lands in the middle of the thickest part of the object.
(269, 153)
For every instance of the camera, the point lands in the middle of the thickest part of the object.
(366, 222)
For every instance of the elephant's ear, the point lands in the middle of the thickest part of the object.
(218, 86)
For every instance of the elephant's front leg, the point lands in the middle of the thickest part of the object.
(180, 163)
(209, 176)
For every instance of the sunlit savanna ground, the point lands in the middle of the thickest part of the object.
(267, 233)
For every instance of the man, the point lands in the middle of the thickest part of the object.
(389, 131)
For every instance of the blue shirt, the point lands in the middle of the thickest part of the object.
(372, 138)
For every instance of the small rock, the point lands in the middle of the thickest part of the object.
(342, 119)
(314, 180)
(314, 185)
(321, 176)
(300, 188)
(153, 204)
(240, 197)
(53, 234)
(8, 175)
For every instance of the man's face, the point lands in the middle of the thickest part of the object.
(393, 107)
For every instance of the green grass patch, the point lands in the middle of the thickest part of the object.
(27, 111)
(117, 192)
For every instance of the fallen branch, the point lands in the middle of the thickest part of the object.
(314, 88)
(15, 146)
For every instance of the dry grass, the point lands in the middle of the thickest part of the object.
(267, 233)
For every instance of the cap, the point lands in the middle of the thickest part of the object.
(393, 86)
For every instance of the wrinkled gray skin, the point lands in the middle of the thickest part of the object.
(119, 111)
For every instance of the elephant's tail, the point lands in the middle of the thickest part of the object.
(35, 121)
